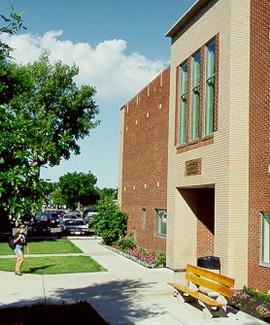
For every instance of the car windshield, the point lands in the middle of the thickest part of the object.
(69, 217)
(74, 222)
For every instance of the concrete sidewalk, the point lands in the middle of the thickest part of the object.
(127, 293)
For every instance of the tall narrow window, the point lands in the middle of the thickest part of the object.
(161, 222)
(183, 105)
(143, 219)
(195, 113)
(210, 88)
(266, 237)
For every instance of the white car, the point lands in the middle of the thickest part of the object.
(67, 216)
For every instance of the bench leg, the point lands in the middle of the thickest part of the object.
(180, 298)
(210, 312)
(221, 300)
(183, 298)
(207, 312)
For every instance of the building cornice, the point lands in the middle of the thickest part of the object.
(185, 19)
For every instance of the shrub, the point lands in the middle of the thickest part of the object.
(257, 294)
(110, 223)
(126, 243)
(160, 258)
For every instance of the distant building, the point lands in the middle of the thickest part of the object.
(218, 169)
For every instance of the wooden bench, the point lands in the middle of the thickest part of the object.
(209, 288)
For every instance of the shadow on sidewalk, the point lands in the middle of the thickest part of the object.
(116, 301)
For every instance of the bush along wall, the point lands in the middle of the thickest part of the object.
(127, 246)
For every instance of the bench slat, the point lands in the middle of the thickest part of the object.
(198, 295)
(222, 279)
(225, 291)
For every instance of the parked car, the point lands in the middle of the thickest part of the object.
(66, 217)
(76, 213)
(89, 217)
(75, 227)
(51, 217)
(60, 213)
(38, 228)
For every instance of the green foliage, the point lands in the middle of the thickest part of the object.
(9, 25)
(160, 258)
(257, 294)
(110, 223)
(57, 198)
(43, 114)
(126, 243)
(106, 191)
(78, 187)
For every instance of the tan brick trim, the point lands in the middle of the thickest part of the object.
(195, 145)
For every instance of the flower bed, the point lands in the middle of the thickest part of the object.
(142, 256)
(252, 302)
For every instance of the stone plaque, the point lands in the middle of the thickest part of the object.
(193, 167)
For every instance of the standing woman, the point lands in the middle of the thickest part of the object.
(20, 242)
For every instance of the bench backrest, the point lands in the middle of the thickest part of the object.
(210, 280)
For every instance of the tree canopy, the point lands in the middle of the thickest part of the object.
(78, 188)
(43, 114)
(11, 25)
(108, 191)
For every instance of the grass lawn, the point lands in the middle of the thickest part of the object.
(60, 246)
(53, 265)
(80, 313)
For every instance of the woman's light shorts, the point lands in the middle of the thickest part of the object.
(18, 250)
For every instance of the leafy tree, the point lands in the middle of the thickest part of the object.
(107, 191)
(11, 25)
(78, 188)
(57, 197)
(110, 223)
(43, 114)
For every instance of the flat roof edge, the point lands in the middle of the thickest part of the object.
(164, 70)
(188, 15)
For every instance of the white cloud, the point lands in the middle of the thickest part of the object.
(116, 75)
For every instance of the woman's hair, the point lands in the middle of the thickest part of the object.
(19, 228)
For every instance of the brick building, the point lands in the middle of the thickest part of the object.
(143, 174)
(218, 169)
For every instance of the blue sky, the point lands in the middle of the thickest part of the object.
(119, 46)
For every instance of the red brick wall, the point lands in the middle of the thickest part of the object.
(145, 159)
(259, 158)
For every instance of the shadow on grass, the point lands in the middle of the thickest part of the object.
(118, 302)
(34, 269)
